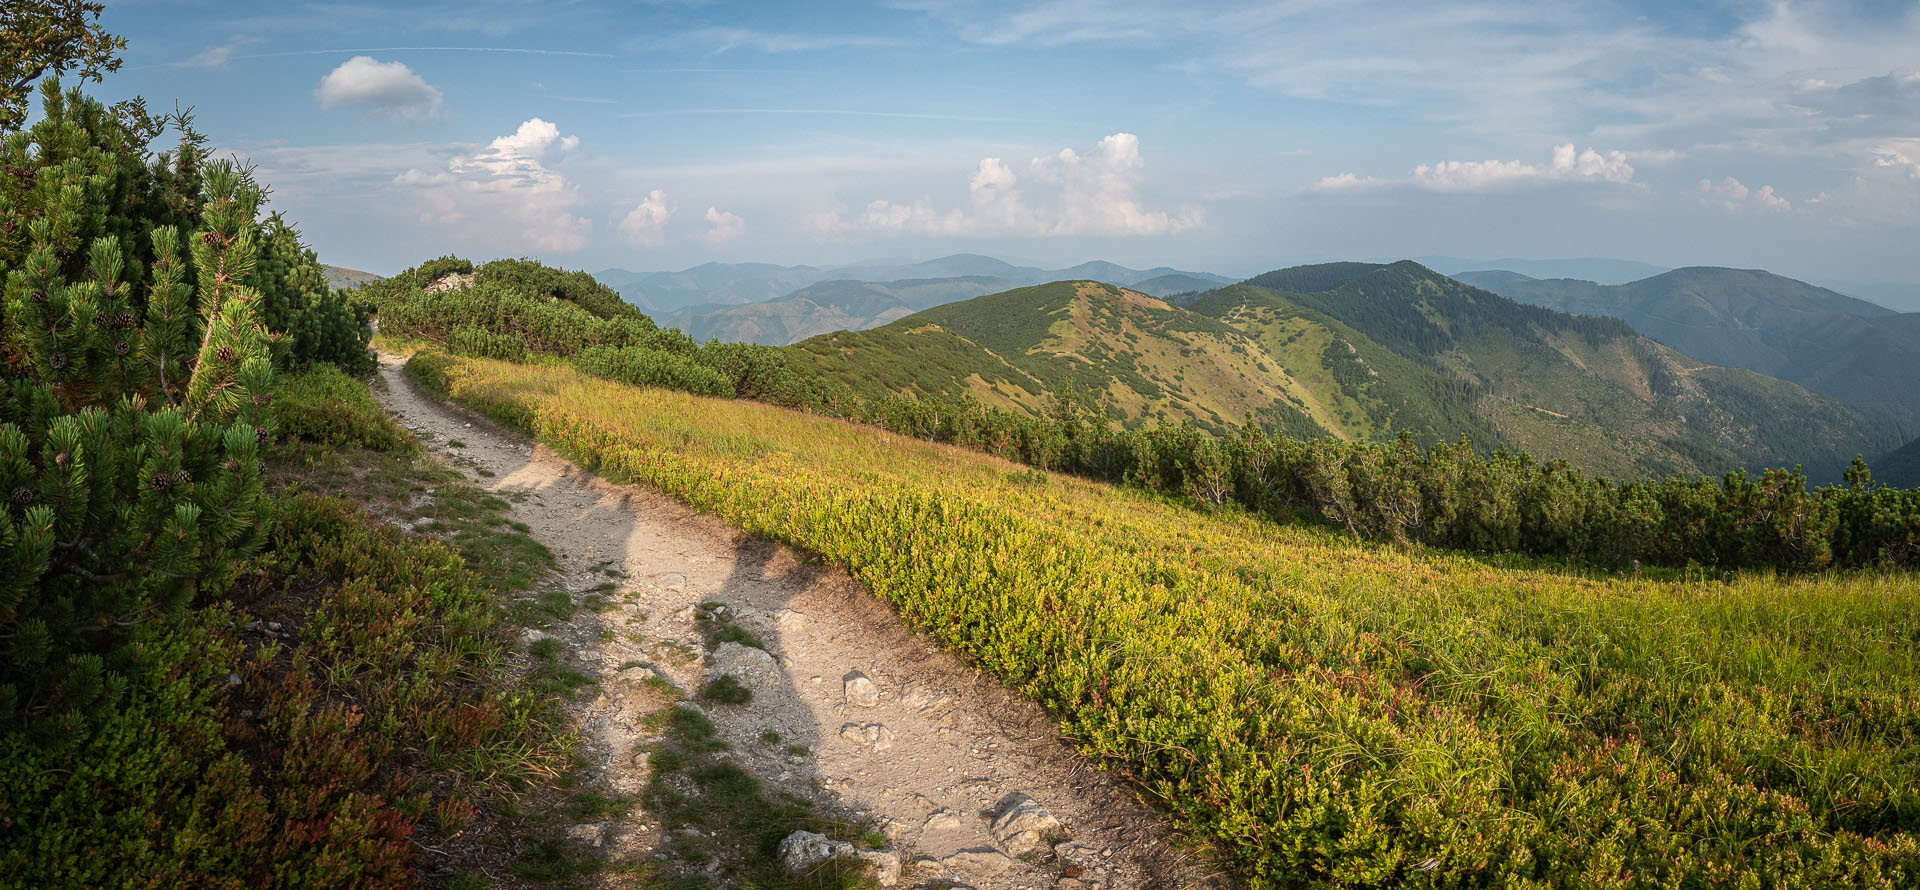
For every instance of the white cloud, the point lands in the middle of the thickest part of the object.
(1566, 166)
(726, 226)
(1346, 181)
(1735, 196)
(505, 197)
(645, 225)
(384, 89)
(1092, 194)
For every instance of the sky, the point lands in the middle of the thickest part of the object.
(1228, 137)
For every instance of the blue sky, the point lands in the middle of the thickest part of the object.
(1222, 136)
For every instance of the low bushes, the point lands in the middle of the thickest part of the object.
(650, 367)
(1327, 713)
(312, 751)
(325, 406)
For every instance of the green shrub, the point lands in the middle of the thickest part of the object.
(324, 405)
(641, 366)
(472, 340)
(543, 282)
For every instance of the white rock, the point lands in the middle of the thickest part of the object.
(1022, 826)
(860, 691)
(751, 666)
(590, 834)
(804, 851)
(885, 865)
(871, 735)
(789, 620)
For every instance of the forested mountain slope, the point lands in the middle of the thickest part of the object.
(1360, 351)
(1850, 349)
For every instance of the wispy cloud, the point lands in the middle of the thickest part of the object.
(720, 40)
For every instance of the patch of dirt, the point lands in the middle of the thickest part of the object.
(925, 755)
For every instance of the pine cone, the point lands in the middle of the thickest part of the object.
(123, 320)
(122, 348)
(22, 495)
(162, 482)
(225, 353)
(100, 319)
(261, 435)
(37, 296)
(182, 477)
(58, 360)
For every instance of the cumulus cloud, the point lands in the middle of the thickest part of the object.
(505, 197)
(1735, 196)
(725, 226)
(384, 89)
(645, 224)
(1092, 194)
(1566, 165)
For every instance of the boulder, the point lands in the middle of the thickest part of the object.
(752, 667)
(860, 691)
(1023, 826)
(803, 851)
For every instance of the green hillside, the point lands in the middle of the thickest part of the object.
(1901, 467)
(1828, 342)
(1374, 350)
(827, 306)
(1138, 357)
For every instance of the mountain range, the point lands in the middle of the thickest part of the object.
(777, 305)
(1359, 351)
(1826, 341)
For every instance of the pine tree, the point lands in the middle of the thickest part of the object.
(139, 370)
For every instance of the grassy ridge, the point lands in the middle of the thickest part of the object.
(1326, 713)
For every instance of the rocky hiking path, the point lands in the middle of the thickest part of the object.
(970, 784)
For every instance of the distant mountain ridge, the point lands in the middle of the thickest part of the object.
(341, 276)
(1832, 343)
(1360, 351)
(778, 305)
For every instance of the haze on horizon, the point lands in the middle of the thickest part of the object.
(1226, 137)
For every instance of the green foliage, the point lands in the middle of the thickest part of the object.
(308, 758)
(641, 366)
(325, 406)
(39, 37)
(140, 294)
(473, 340)
(542, 282)
(547, 326)
(319, 325)
(727, 690)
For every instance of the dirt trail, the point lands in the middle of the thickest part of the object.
(939, 747)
